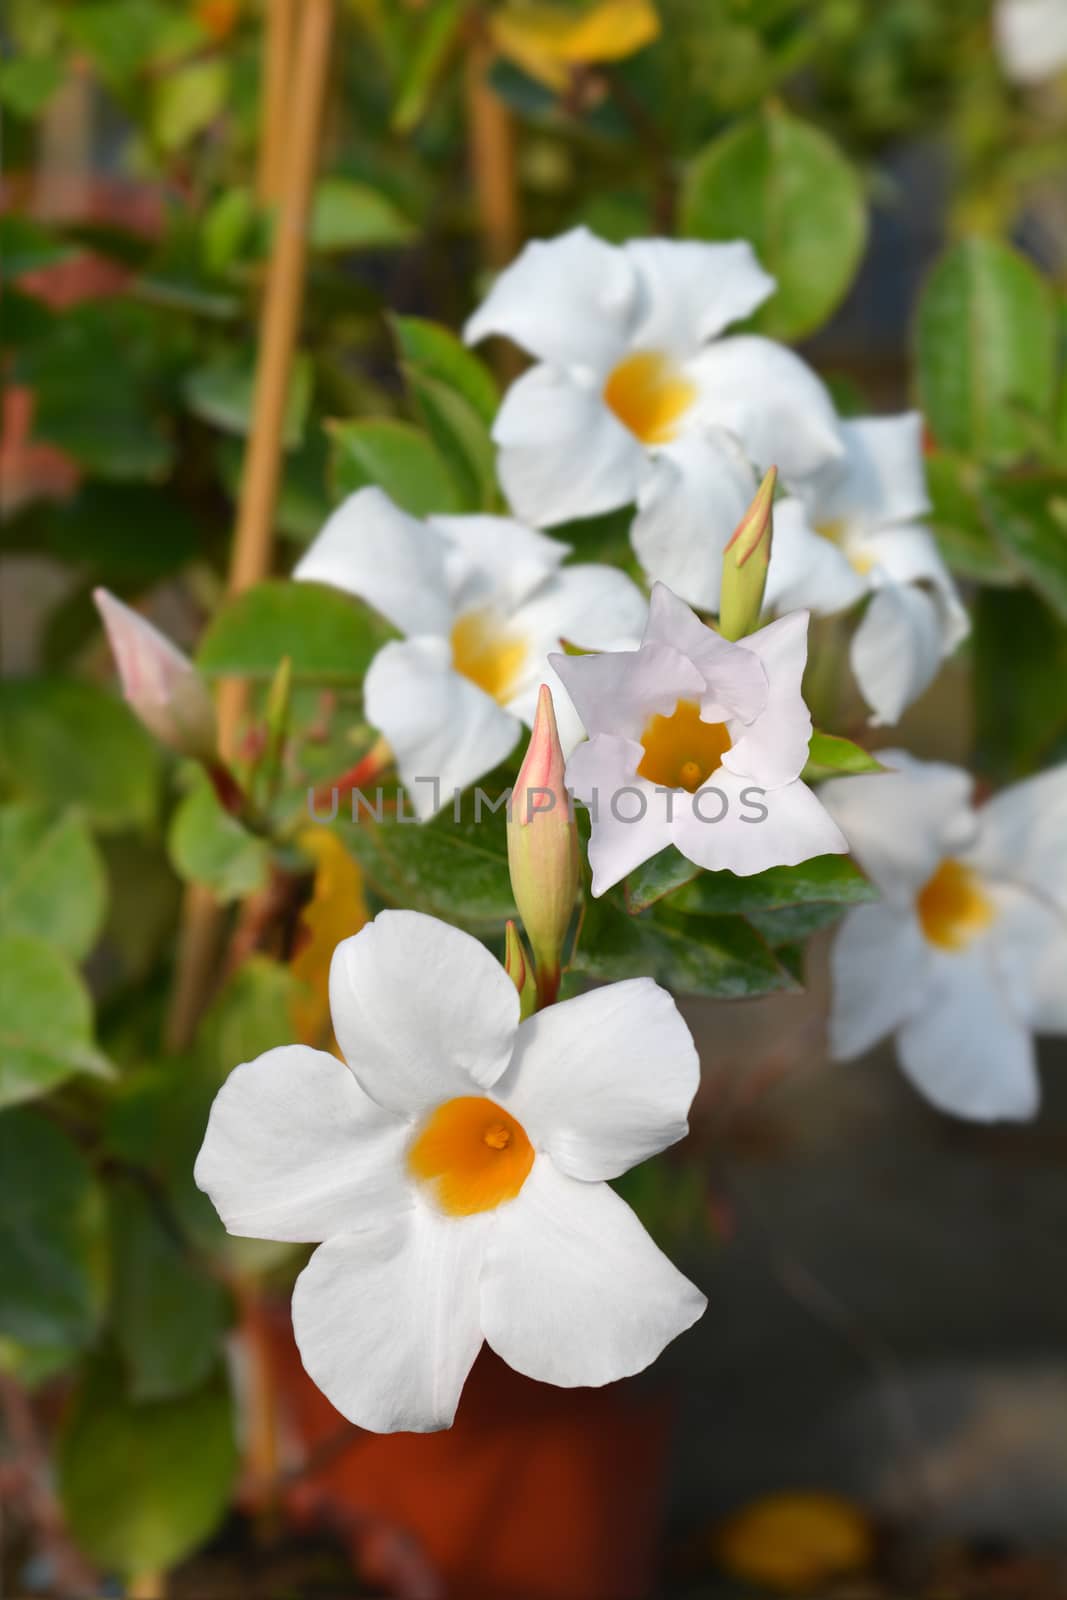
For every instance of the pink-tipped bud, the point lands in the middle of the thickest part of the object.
(543, 847)
(161, 685)
(745, 562)
(520, 970)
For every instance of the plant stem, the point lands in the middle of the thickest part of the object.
(491, 136)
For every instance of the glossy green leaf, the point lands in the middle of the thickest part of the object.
(718, 956)
(143, 1484)
(28, 83)
(963, 535)
(662, 874)
(209, 846)
(460, 435)
(187, 99)
(52, 880)
(66, 743)
(458, 871)
(1029, 518)
(828, 879)
(51, 1242)
(436, 352)
(328, 636)
(786, 187)
(46, 1020)
(438, 33)
(830, 756)
(394, 456)
(348, 215)
(169, 1315)
(986, 350)
(1020, 669)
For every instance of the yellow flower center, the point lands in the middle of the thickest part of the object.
(837, 533)
(681, 751)
(649, 394)
(484, 652)
(471, 1155)
(952, 908)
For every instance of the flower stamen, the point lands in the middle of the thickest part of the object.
(649, 394)
(952, 907)
(470, 1155)
(681, 751)
(487, 654)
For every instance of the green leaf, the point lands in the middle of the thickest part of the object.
(187, 100)
(119, 36)
(143, 1485)
(328, 636)
(425, 61)
(169, 1316)
(786, 187)
(222, 393)
(956, 521)
(105, 525)
(435, 352)
(51, 1265)
(52, 879)
(394, 456)
(28, 83)
(208, 846)
(458, 871)
(63, 742)
(832, 880)
(1020, 668)
(986, 350)
(660, 875)
(718, 956)
(46, 1020)
(830, 756)
(459, 434)
(348, 215)
(27, 247)
(1029, 517)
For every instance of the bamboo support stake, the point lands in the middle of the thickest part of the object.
(279, 33)
(491, 133)
(293, 133)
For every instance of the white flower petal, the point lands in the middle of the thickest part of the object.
(440, 725)
(965, 1049)
(690, 291)
(370, 548)
(694, 493)
(723, 826)
(1022, 835)
(878, 970)
(562, 453)
(1031, 38)
(603, 773)
(735, 676)
(421, 1011)
(896, 650)
(605, 1080)
(295, 1150)
(573, 1289)
(902, 823)
(908, 554)
(495, 560)
(774, 749)
(567, 300)
(882, 479)
(1027, 941)
(617, 691)
(387, 1322)
(806, 569)
(771, 400)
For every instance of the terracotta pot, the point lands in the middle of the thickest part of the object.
(535, 1493)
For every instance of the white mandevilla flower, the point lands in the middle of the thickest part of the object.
(858, 532)
(456, 1171)
(481, 600)
(635, 397)
(1031, 38)
(699, 743)
(965, 955)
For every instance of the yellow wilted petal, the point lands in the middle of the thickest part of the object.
(547, 40)
(336, 910)
(795, 1542)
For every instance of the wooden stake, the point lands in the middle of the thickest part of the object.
(491, 133)
(293, 132)
(279, 34)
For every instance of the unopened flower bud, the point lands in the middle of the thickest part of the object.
(161, 685)
(543, 848)
(745, 562)
(520, 970)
